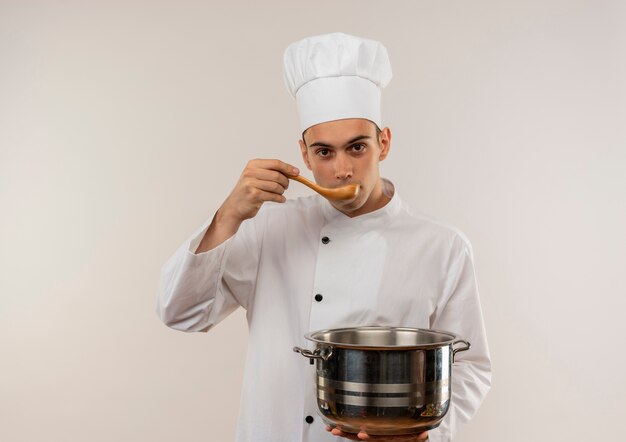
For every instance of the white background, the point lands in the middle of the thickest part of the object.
(124, 124)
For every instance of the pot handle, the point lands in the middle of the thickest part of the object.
(456, 350)
(316, 354)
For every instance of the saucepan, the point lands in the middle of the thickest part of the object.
(383, 380)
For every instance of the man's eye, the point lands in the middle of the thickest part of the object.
(358, 147)
(323, 152)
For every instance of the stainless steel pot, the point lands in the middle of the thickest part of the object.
(384, 380)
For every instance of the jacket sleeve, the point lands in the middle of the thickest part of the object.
(197, 291)
(459, 311)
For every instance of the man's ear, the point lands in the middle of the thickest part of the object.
(385, 143)
(305, 154)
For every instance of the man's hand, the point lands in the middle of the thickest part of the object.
(260, 181)
(421, 437)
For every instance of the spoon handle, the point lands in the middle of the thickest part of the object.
(307, 183)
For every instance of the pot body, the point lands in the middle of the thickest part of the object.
(383, 380)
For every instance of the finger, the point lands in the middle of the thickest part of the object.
(267, 186)
(421, 437)
(263, 196)
(266, 175)
(253, 191)
(339, 433)
(277, 165)
(255, 196)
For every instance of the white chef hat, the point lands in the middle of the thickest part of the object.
(336, 76)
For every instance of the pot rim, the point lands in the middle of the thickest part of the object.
(452, 338)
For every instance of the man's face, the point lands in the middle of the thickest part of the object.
(344, 152)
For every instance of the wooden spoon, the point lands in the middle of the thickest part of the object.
(339, 193)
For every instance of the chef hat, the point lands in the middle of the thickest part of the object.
(336, 76)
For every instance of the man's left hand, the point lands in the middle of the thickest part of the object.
(420, 437)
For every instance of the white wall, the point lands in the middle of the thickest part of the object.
(123, 125)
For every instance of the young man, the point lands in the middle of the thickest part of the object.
(310, 264)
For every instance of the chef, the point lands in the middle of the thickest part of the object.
(310, 263)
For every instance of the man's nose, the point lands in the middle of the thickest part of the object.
(343, 167)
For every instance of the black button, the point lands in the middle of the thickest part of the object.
(309, 419)
(319, 297)
(325, 240)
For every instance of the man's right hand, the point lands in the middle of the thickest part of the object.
(260, 181)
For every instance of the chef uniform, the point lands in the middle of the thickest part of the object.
(303, 266)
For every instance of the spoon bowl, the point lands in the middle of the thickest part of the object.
(343, 193)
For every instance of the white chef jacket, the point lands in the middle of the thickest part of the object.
(390, 267)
